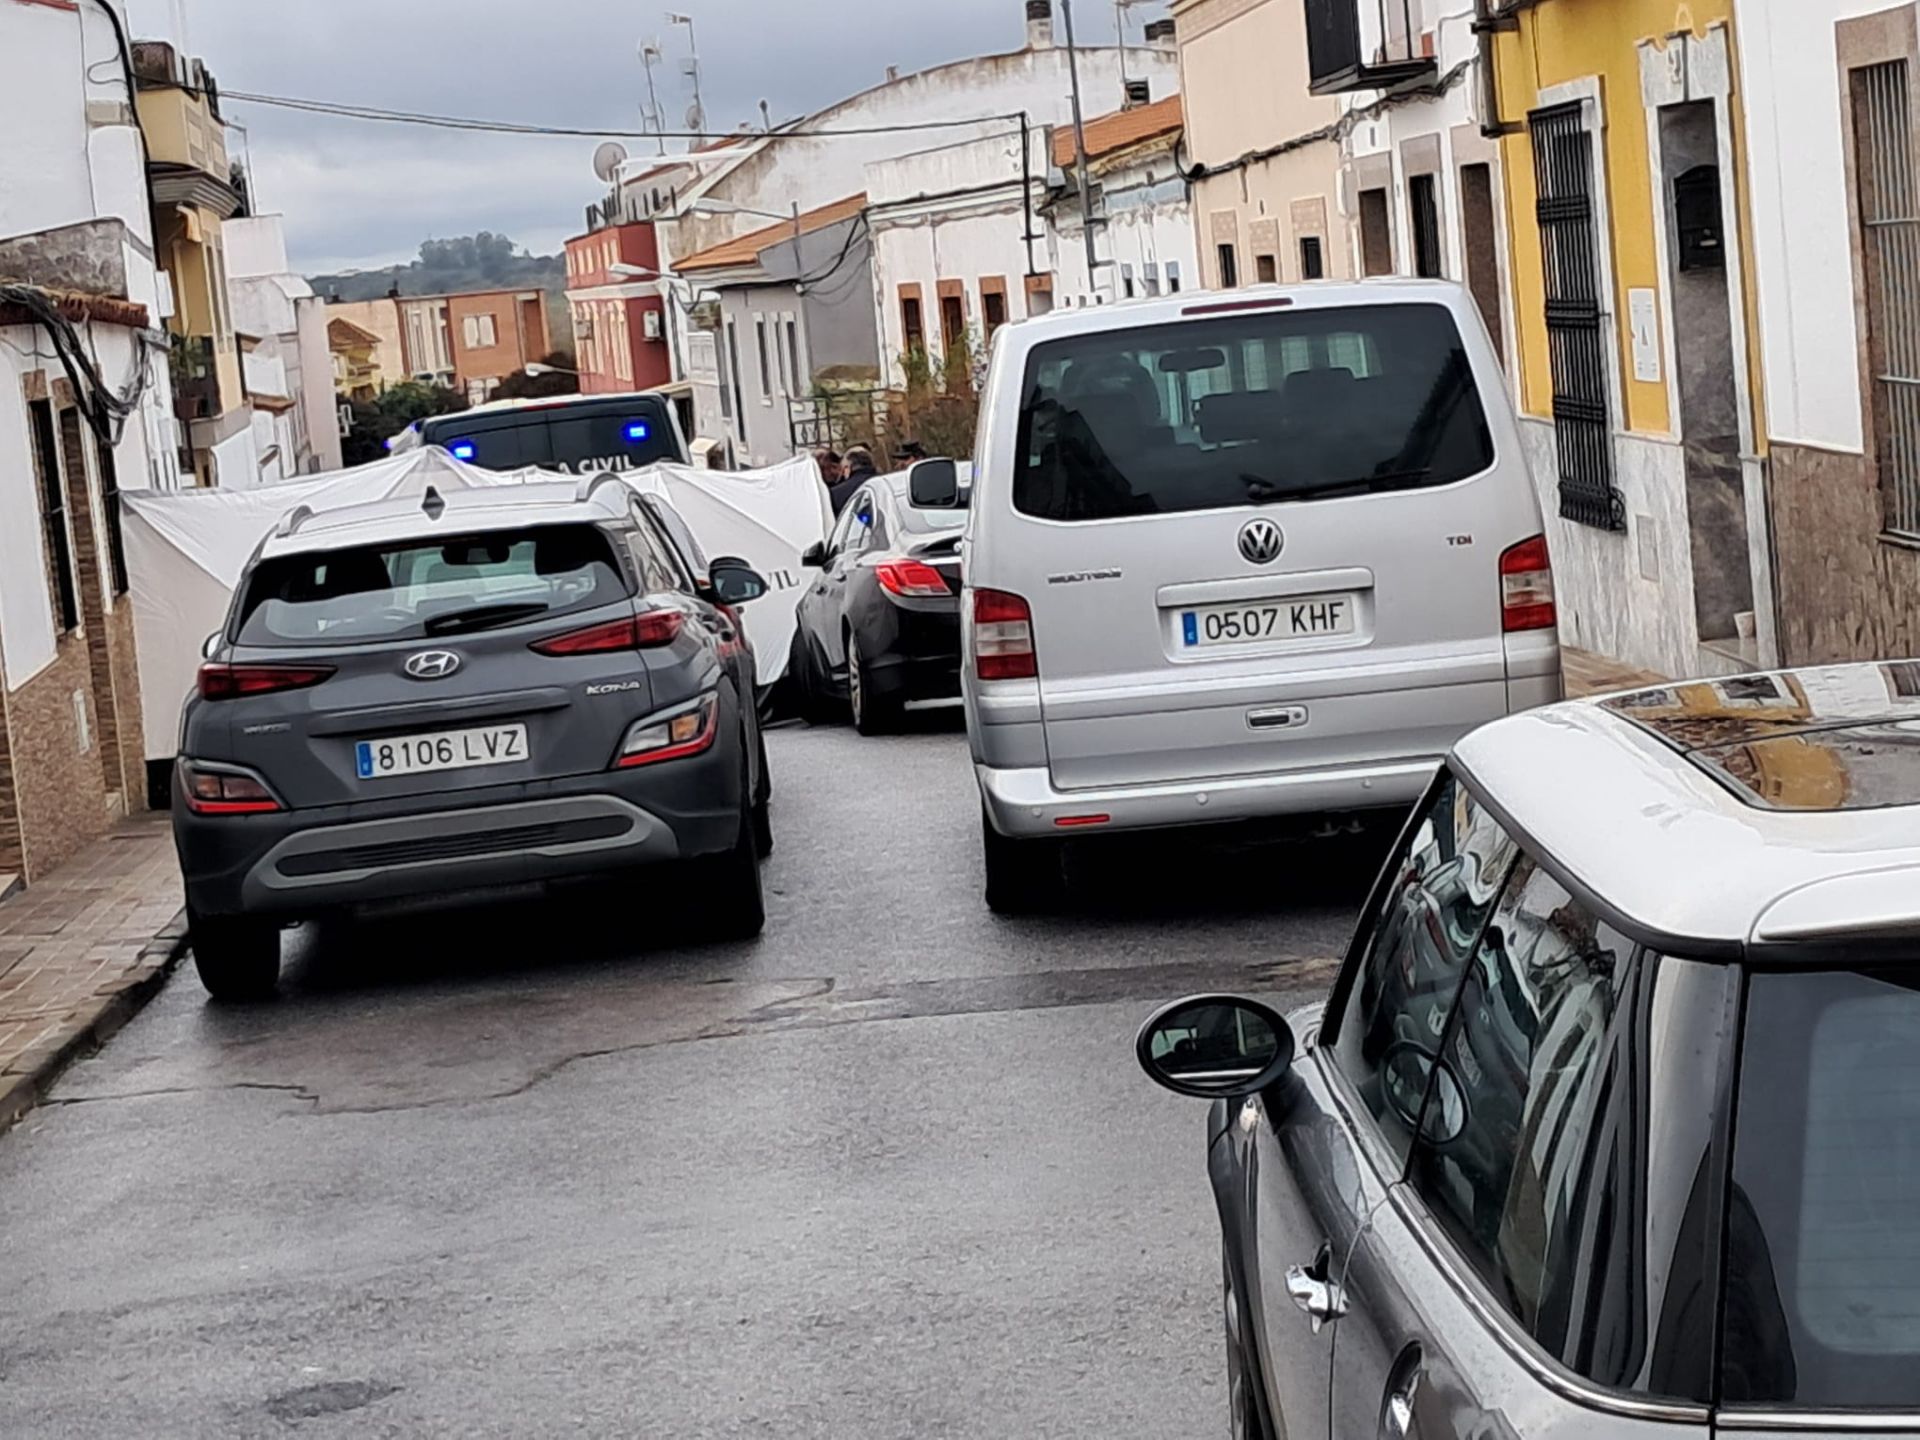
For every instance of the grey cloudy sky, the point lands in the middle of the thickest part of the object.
(357, 193)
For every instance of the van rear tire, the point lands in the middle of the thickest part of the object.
(1023, 876)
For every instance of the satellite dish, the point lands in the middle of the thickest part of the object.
(696, 119)
(608, 159)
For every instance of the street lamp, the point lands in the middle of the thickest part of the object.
(727, 207)
(625, 271)
(535, 367)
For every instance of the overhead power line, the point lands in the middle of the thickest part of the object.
(510, 127)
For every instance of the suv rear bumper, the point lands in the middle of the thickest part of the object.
(1026, 804)
(303, 862)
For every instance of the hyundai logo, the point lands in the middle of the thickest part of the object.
(432, 664)
(1261, 542)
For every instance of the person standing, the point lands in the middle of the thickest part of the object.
(858, 469)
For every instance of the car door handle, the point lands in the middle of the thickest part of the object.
(1316, 1297)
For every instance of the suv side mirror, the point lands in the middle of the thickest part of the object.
(934, 485)
(210, 646)
(1216, 1047)
(816, 556)
(735, 582)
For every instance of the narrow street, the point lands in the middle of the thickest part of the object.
(890, 1171)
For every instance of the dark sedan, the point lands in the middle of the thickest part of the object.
(879, 628)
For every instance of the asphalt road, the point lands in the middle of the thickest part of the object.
(889, 1172)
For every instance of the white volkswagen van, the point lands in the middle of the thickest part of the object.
(1238, 556)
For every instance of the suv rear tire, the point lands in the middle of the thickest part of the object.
(1023, 876)
(732, 884)
(238, 959)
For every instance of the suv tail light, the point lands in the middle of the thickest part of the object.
(1003, 637)
(225, 792)
(686, 731)
(222, 681)
(914, 579)
(1526, 587)
(648, 630)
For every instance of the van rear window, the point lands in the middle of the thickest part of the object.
(1271, 407)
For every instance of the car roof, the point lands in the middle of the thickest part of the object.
(594, 500)
(1771, 813)
(1250, 299)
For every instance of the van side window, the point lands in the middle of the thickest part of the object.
(1520, 1156)
(1436, 899)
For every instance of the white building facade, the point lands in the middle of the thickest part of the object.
(76, 236)
(289, 369)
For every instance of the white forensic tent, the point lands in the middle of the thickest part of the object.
(186, 551)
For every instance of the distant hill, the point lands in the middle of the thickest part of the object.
(469, 262)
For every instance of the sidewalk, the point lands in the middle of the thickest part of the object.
(1590, 674)
(81, 951)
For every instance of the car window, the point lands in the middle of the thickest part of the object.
(1513, 1151)
(1823, 1232)
(1279, 405)
(859, 537)
(414, 588)
(1436, 896)
(685, 544)
(842, 529)
(660, 568)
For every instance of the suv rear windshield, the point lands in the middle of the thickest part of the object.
(413, 589)
(1283, 405)
(576, 438)
(1823, 1233)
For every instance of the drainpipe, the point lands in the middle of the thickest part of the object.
(1490, 17)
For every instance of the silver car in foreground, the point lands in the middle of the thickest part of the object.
(1611, 1125)
(1231, 558)
(479, 693)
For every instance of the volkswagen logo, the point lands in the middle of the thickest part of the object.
(432, 664)
(1261, 542)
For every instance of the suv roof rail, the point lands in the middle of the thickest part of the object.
(590, 484)
(293, 520)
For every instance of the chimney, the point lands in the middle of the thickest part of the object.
(1139, 92)
(1160, 35)
(893, 73)
(1039, 24)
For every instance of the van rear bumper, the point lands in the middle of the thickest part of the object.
(1025, 803)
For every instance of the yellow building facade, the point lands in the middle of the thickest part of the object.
(1637, 359)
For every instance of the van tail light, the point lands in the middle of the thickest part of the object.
(1003, 637)
(913, 579)
(1526, 587)
(649, 630)
(225, 792)
(686, 731)
(222, 681)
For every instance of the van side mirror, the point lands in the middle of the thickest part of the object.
(1215, 1047)
(934, 485)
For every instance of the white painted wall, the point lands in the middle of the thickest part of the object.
(1149, 228)
(26, 604)
(1789, 69)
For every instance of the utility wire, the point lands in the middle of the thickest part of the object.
(509, 127)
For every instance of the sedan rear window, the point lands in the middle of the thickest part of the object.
(413, 589)
(1271, 407)
(1823, 1233)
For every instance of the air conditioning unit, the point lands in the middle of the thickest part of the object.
(651, 325)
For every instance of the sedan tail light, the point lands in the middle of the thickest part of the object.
(225, 792)
(914, 579)
(686, 731)
(222, 681)
(1003, 637)
(1526, 587)
(649, 630)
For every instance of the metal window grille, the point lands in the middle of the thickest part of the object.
(53, 517)
(1890, 229)
(1576, 327)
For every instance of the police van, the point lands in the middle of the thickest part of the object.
(580, 434)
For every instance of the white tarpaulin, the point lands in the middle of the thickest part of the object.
(187, 551)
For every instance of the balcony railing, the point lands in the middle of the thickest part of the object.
(1393, 49)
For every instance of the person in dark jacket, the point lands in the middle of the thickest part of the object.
(859, 470)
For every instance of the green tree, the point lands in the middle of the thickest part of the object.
(398, 406)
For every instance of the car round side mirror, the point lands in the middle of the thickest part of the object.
(735, 582)
(1215, 1047)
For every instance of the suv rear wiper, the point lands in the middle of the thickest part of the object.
(484, 617)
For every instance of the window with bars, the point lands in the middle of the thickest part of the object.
(1577, 336)
(53, 516)
(1889, 202)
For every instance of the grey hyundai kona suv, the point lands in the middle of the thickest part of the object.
(486, 691)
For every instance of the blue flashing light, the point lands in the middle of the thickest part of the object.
(638, 431)
(462, 450)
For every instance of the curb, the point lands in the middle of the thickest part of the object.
(157, 959)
